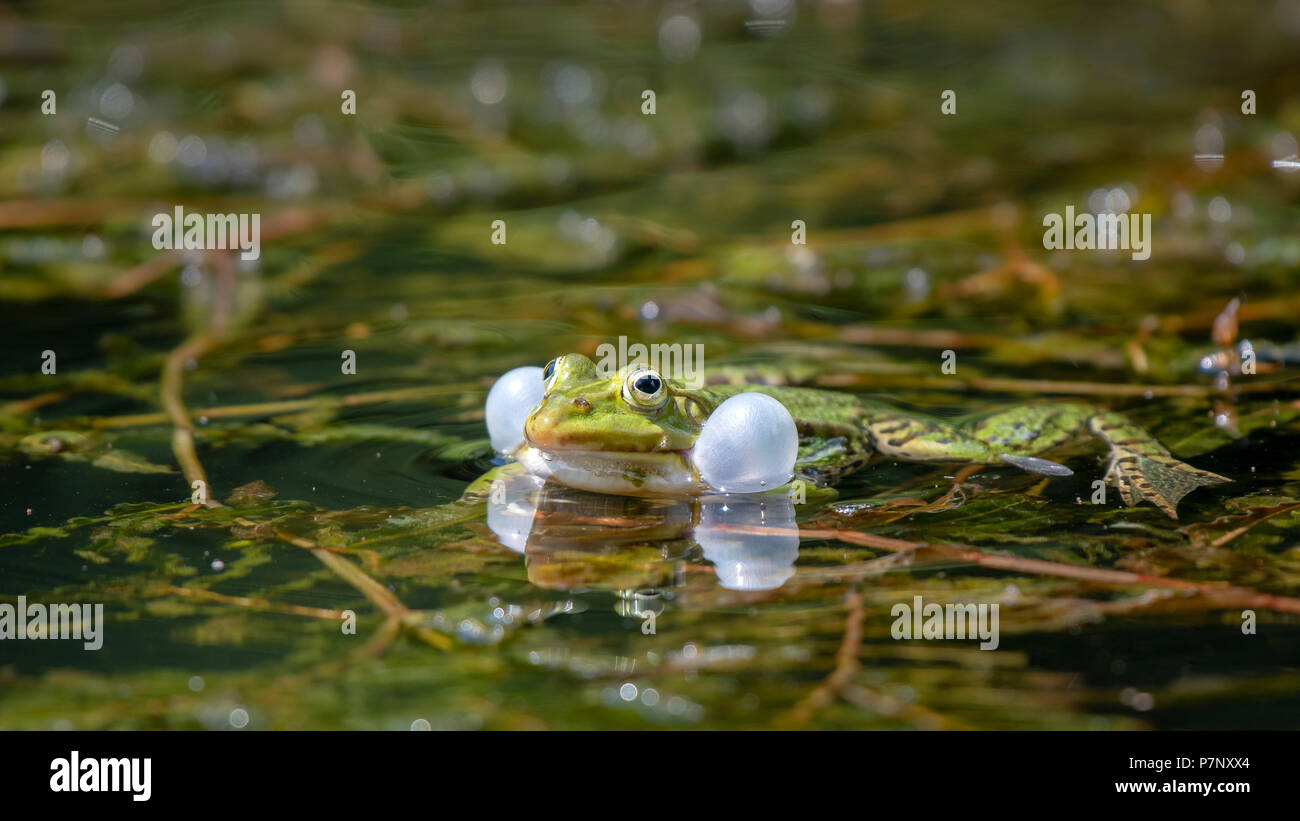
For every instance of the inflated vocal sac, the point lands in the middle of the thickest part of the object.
(512, 398)
(748, 445)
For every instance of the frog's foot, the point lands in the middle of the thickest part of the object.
(1160, 479)
(1141, 468)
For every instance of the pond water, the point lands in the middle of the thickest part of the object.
(329, 393)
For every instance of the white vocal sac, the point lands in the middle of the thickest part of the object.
(748, 445)
(512, 398)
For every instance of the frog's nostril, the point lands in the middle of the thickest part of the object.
(582, 404)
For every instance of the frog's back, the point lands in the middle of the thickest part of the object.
(806, 405)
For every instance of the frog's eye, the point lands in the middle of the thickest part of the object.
(548, 374)
(645, 390)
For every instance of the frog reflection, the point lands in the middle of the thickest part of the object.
(638, 546)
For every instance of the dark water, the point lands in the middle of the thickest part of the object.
(924, 234)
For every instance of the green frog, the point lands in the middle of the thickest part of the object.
(633, 432)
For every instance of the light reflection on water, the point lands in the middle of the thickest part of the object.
(751, 542)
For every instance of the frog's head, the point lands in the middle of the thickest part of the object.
(635, 410)
(629, 432)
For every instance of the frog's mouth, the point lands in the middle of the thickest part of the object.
(628, 473)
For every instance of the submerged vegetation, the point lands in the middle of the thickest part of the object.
(328, 395)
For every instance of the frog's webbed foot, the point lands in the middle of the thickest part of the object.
(1156, 477)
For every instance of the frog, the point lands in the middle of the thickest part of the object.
(631, 432)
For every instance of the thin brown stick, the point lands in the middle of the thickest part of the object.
(182, 426)
(1225, 595)
(288, 405)
(1232, 534)
(42, 213)
(255, 604)
(855, 571)
(285, 223)
(886, 705)
(1037, 386)
(373, 648)
(378, 595)
(355, 576)
(983, 218)
(1220, 592)
(133, 279)
(379, 642)
(31, 403)
(846, 665)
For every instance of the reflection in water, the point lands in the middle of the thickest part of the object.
(511, 511)
(573, 538)
(752, 542)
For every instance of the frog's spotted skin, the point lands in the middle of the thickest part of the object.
(590, 433)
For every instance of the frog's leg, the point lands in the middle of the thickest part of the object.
(824, 458)
(1140, 466)
(1012, 434)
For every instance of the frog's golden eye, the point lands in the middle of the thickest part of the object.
(548, 374)
(645, 390)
